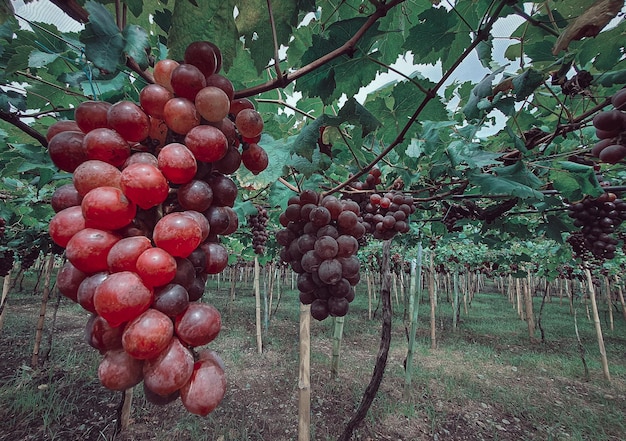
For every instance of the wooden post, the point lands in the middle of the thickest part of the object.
(125, 410)
(337, 336)
(620, 294)
(42, 311)
(596, 322)
(433, 305)
(6, 285)
(304, 375)
(233, 284)
(455, 303)
(415, 293)
(257, 295)
(528, 301)
(570, 296)
(609, 300)
(369, 296)
(271, 275)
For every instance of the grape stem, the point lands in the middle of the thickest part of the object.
(279, 73)
(289, 185)
(15, 120)
(346, 49)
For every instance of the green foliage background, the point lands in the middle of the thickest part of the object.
(431, 130)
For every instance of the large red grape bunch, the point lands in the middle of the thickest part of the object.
(141, 223)
(610, 127)
(598, 219)
(258, 224)
(320, 243)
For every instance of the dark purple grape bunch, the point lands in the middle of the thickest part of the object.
(258, 225)
(598, 219)
(3, 225)
(454, 213)
(320, 243)
(6, 262)
(610, 128)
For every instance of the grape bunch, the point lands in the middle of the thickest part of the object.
(610, 128)
(452, 214)
(388, 214)
(3, 224)
(384, 214)
(28, 257)
(598, 219)
(258, 224)
(141, 223)
(320, 242)
(6, 261)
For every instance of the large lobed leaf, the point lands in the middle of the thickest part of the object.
(345, 74)
(209, 21)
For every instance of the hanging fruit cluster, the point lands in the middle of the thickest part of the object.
(320, 242)
(258, 224)
(384, 213)
(598, 219)
(610, 127)
(142, 219)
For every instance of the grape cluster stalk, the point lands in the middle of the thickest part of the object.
(141, 223)
(598, 219)
(320, 242)
(610, 128)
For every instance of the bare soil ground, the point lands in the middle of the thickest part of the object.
(64, 400)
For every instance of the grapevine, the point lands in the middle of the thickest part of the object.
(149, 200)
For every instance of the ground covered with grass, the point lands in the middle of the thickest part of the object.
(485, 381)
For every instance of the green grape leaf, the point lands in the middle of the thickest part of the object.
(318, 163)
(554, 228)
(462, 152)
(484, 51)
(134, 6)
(210, 21)
(513, 180)
(14, 98)
(6, 10)
(137, 44)
(574, 180)
(306, 144)
(526, 83)
(41, 59)
(19, 60)
(163, 19)
(253, 24)
(439, 35)
(105, 89)
(104, 43)
(482, 90)
(611, 78)
(345, 74)
(278, 155)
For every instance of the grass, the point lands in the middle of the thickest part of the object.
(483, 375)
